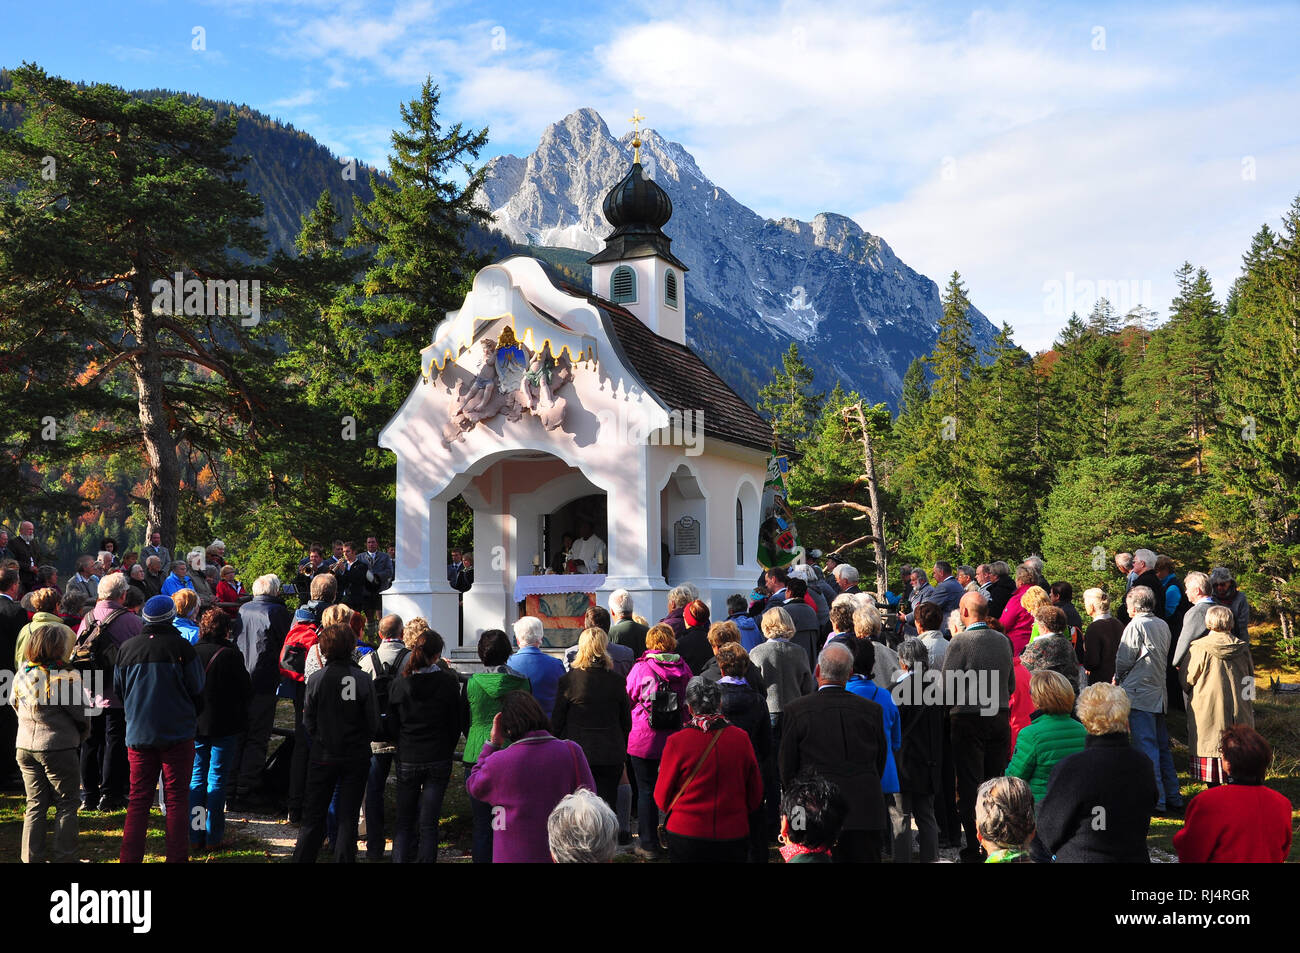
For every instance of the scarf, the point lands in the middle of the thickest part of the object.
(1007, 855)
(793, 850)
(709, 722)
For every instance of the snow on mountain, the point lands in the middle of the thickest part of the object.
(859, 314)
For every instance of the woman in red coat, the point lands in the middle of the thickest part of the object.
(709, 783)
(1241, 822)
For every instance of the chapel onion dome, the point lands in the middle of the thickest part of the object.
(637, 204)
(638, 209)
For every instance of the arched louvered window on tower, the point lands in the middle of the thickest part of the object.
(622, 285)
(670, 288)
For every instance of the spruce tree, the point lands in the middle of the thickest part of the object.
(1196, 323)
(1256, 449)
(953, 359)
(788, 400)
(416, 227)
(1011, 459)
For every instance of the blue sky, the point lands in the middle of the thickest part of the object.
(1044, 150)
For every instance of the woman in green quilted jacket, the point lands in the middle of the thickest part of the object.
(484, 696)
(1052, 733)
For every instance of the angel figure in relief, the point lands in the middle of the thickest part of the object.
(484, 388)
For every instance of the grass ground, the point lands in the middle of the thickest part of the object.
(253, 838)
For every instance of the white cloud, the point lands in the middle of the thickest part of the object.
(1111, 164)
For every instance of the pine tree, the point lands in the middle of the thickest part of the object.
(1196, 323)
(954, 358)
(416, 227)
(112, 196)
(1011, 460)
(789, 401)
(1088, 376)
(1102, 505)
(1256, 450)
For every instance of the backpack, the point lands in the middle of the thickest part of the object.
(293, 654)
(381, 681)
(95, 648)
(665, 711)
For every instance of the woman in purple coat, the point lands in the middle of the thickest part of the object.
(524, 782)
(660, 668)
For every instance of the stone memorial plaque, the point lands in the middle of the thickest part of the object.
(686, 537)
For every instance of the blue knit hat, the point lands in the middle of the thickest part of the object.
(159, 609)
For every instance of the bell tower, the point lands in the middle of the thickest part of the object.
(637, 269)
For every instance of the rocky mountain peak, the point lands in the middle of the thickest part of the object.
(859, 314)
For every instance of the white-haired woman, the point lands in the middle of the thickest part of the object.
(582, 830)
(867, 625)
(1101, 638)
(1099, 802)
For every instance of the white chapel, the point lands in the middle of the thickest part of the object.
(575, 423)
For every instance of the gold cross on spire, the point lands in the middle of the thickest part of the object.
(636, 121)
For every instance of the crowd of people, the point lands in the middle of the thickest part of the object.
(975, 711)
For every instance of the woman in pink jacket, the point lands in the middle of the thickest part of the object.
(657, 689)
(1017, 621)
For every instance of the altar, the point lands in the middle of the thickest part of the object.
(548, 408)
(561, 601)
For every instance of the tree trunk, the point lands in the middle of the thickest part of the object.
(877, 518)
(163, 478)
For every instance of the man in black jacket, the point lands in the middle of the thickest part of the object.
(841, 737)
(999, 587)
(12, 619)
(465, 577)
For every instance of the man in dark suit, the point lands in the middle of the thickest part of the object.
(453, 570)
(379, 577)
(775, 579)
(351, 571)
(12, 619)
(846, 579)
(978, 682)
(841, 737)
(24, 550)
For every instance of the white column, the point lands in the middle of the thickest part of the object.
(489, 603)
(421, 588)
(633, 544)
